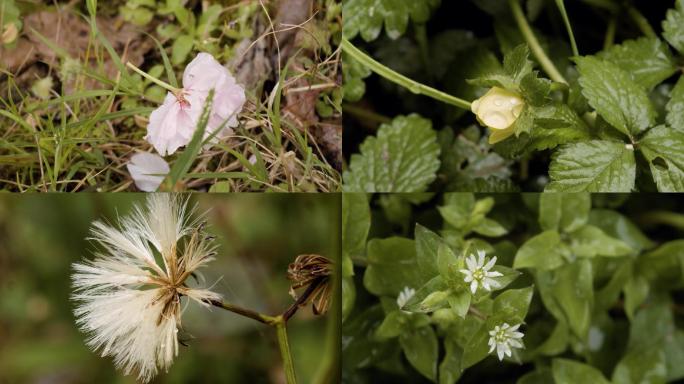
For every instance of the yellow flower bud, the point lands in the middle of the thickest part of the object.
(498, 109)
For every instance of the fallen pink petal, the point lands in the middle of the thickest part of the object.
(147, 170)
(173, 124)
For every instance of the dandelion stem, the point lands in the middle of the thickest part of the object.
(153, 79)
(532, 41)
(395, 77)
(270, 320)
(285, 353)
(279, 322)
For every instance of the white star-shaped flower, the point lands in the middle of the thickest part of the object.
(405, 296)
(478, 273)
(503, 337)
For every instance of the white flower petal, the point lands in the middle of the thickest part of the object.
(490, 264)
(473, 286)
(147, 170)
(471, 262)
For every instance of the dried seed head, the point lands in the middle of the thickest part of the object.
(312, 273)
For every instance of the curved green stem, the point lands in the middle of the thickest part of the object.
(395, 77)
(566, 21)
(284, 345)
(640, 21)
(532, 41)
(609, 40)
(254, 315)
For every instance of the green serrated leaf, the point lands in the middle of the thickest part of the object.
(354, 74)
(517, 63)
(618, 99)
(404, 157)
(647, 60)
(675, 107)
(594, 166)
(673, 26)
(366, 17)
(663, 147)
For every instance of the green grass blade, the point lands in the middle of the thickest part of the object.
(185, 160)
(171, 76)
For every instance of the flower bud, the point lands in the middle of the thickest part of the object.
(498, 109)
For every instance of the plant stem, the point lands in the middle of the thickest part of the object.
(153, 79)
(566, 20)
(270, 320)
(640, 21)
(610, 32)
(395, 77)
(279, 322)
(284, 345)
(655, 218)
(532, 41)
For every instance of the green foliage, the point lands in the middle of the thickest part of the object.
(673, 26)
(615, 96)
(366, 17)
(402, 158)
(647, 60)
(595, 294)
(663, 147)
(591, 111)
(594, 166)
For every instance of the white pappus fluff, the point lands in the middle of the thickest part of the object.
(127, 302)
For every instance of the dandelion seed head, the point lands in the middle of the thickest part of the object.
(128, 302)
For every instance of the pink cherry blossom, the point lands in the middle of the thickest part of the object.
(173, 124)
(147, 170)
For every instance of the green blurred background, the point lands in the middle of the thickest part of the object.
(259, 235)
